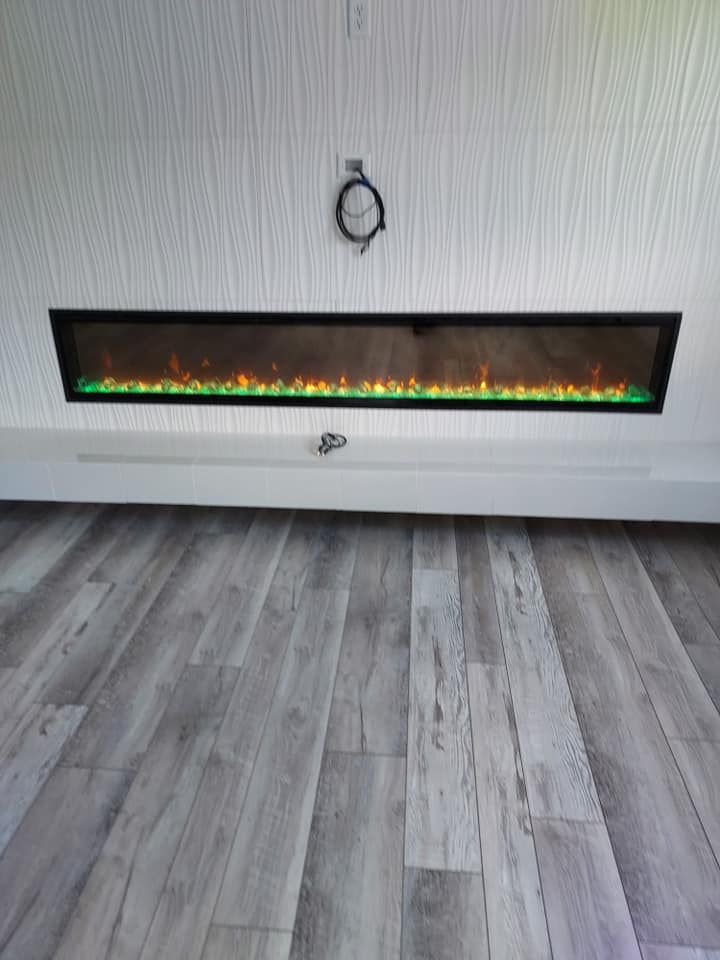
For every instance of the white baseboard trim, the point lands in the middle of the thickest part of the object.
(669, 482)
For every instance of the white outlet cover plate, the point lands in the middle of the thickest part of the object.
(345, 155)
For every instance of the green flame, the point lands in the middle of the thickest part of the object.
(390, 390)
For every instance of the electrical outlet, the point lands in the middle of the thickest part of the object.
(358, 18)
(347, 162)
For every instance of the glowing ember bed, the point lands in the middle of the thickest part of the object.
(599, 362)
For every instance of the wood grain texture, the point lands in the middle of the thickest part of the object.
(234, 617)
(369, 710)
(350, 899)
(655, 952)
(563, 557)
(27, 759)
(706, 660)
(441, 827)
(47, 861)
(434, 544)
(443, 916)
(698, 559)
(149, 532)
(125, 714)
(671, 879)
(678, 599)
(587, 913)
(67, 633)
(86, 666)
(192, 888)
(481, 628)
(677, 693)
(334, 559)
(116, 907)
(33, 614)
(6, 675)
(557, 772)
(226, 943)
(264, 870)
(699, 763)
(514, 901)
(25, 562)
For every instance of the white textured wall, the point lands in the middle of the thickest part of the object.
(534, 155)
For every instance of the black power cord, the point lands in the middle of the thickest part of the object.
(342, 214)
(330, 441)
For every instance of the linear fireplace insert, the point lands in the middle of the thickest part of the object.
(583, 362)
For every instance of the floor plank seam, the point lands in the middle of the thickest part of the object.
(85, 766)
(665, 736)
(522, 763)
(472, 738)
(231, 841)
(712, 849)
(584, 741)
(187, 823)
(363, 753)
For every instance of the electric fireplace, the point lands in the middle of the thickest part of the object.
(581, 362)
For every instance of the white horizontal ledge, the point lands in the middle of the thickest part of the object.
(669, 482)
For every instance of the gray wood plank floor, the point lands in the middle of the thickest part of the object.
(265, 735)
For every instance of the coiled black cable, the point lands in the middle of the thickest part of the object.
(342, 214)
(330, 441)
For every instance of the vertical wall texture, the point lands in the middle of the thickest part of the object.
(534, 155)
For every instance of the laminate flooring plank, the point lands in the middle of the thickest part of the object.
(562, 556)
(33, 614)
(194, 882)
(10, 529)
(47, 861)
(27, 561)
(434, 545)
(699, 762)
(140, 549)
(235, 520)
(706, 660)
(30, 680)
(441, 825)
(334, 561)
(587, 912)
(350, 899)
(228, 943)
(654, 952)
(557, 772)
(123, 719)
(699, 563)
(443, 916)
(481, 627)
(6, 675)
(28, 759)
(682, 703)
(369, 710)
(117, 904)
(86, 666)
(264, 871)
(9, 603)
(671, 879)
(234, 617)
(516, 915)
(676, 596)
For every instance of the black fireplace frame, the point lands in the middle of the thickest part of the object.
(669, 323)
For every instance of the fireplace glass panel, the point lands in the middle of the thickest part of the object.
(416, 361)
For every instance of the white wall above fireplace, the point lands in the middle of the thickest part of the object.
(533, 156)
